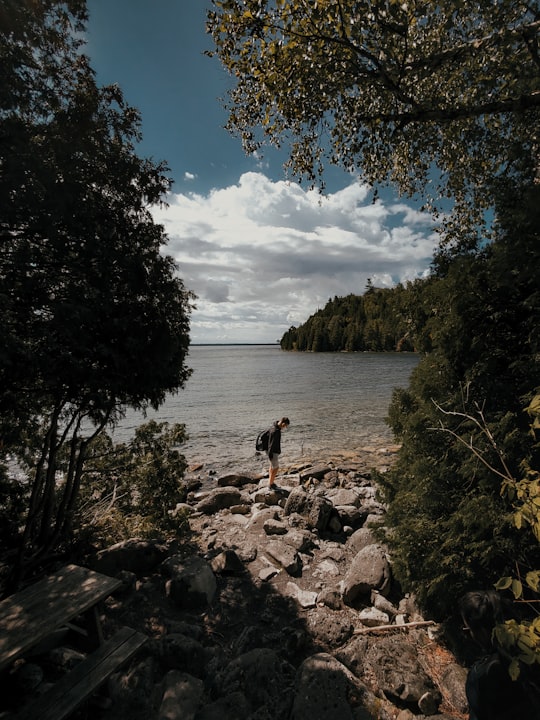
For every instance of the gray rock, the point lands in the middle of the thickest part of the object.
(351, 515)
(180, 652)
(268, 573)
(296, 502)
(353, 654)
(286, 556)
(305, 598)
(260, 517)
(227, 563)
(327, 568)
(319, 513)
(242, 509)
(261, 676)
(346, 496)
(274, 527)
(331, 598)
(231, 707)
(327, 690)
(360, 539)
(453, 686)
(234, 480)
(182, 696)
(194, 584)
(322, 690)
(300, 539)
(135, 555)
(219, 499)
(270, 496)
(316, 509)
(381, 603)
(369, 570)
(329, 628)
(317, 473)
(399, 674)
(371, 617)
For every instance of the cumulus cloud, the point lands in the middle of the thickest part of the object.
(263, 255)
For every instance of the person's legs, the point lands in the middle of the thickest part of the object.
(273, 470)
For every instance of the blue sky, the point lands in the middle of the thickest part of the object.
(261, 253)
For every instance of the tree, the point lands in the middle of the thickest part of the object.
(452, 529)
(378, 321)
(442, 95)
(95, 317)
(119, 498)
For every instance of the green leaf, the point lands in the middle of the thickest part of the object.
(503, 583)
(533, 580)
(517, 588)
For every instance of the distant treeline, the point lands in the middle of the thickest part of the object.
(381, 320)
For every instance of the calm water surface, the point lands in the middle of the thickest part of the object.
(335, 402)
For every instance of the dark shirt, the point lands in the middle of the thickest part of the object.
(274, 441)
(493, 695)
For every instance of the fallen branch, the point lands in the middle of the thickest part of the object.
(405, 626)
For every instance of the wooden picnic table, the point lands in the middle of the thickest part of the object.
(36, 613)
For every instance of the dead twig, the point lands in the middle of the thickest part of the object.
(405, 626)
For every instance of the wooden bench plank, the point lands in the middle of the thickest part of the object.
(74, 688)
(29, 616)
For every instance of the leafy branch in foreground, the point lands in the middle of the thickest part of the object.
(132, 489)
(95, 319)
(521, 640)
(388, 90)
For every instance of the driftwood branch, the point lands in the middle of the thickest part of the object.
(405, 626)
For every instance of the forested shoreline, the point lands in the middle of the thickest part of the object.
(380, 320)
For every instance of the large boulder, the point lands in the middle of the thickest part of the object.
(327, 690)
(182, 695)
(316, 509)
(260, 675)
(284, 555)
(134, 555)
(192, 584)
(345, 496)
(234, 480)
(234, 706)
(328, 628)
(219, 499)
(360, 539)
(369, 570)
(180, 652)
(317, 473)
(395, 664)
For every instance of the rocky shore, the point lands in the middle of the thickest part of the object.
(280, 606)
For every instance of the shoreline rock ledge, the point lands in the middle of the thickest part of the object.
(282, 606)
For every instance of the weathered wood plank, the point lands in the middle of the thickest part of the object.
(29, 616)
(75, 687)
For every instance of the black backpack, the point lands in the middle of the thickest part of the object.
(262, 440)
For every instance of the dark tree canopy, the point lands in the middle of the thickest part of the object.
(437, 98)
(95, 318)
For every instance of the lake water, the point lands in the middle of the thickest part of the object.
(335, 401)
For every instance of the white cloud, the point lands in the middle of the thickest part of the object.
(189, 176)
(262, 255)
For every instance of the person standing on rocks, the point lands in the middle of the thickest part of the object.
(274, 448)
(491, 693)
